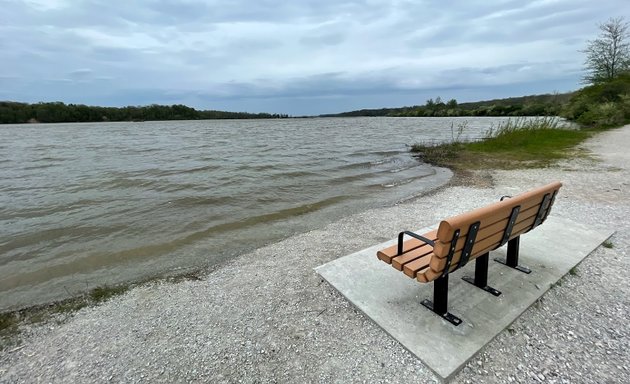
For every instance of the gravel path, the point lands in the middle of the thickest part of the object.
(268, 317)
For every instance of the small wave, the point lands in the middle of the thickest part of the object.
(384, 174)
(383, 153)
(402, 181)
(257, 167)
(402, 169)
(350, 178)
(126, 182)
(373, 163)
(363, 164)
(269, 217)
(142, 150)
(41, 211)
(398, 183)
(175, 187)
(43, 166)
(90, 262)
(169, 172)
(193, 201)
(294, 174)
(54, 159)
(192, 170)
(50, 237)
(384, 161)
(387, 153)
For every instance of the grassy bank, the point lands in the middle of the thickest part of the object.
(537, 143)
(517, 143)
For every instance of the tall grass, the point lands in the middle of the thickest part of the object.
(537, 139)
(512, 144)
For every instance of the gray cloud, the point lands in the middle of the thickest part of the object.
(242, 54)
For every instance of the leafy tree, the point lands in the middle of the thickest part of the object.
(608, 55)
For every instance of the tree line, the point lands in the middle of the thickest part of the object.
(534, 105)
(58, 112)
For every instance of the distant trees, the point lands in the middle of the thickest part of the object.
(534, 105)
(541, 105)
(608, 55)
(57, 112)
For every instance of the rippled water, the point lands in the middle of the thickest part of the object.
(82, 205)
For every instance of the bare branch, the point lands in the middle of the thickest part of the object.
(609, 54)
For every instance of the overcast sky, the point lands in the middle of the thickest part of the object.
(296, 57)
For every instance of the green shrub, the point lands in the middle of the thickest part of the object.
(606, 114)
(601, 105)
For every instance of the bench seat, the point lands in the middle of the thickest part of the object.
(459, 239)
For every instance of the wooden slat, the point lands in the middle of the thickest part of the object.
(500, 213)
(492, 231)
(437, 264)
(491, 213)
(412, 268)
(428, 275)
(492, 242)
(487, 231)
(399, 261)
(389, 253)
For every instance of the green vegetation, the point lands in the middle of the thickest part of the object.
(602, 105)
(608, 244)
(15, 113)
(535, 105)
(11, 321)
(8, 321)
(516, 143)
(100, 294)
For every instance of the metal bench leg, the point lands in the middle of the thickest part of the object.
(512, 256)
(440, 301)
(481, 275)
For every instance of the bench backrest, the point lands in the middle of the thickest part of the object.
(484, 229)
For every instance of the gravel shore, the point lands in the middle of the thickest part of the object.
(268, 317)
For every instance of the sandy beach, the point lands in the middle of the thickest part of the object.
(268, 317)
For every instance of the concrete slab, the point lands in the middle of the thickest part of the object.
(392, 299)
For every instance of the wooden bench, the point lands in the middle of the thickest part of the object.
(432, 256)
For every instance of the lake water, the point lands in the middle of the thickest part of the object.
(84, 205)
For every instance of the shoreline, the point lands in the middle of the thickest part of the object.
(101, 293)
(267, 316)
(99, 230)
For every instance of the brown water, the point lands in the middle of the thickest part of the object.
(83, 205)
